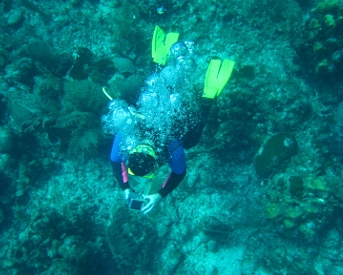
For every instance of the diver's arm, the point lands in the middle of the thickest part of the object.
(118, 165)
(171, 183)
(120, 173)
(177, 162)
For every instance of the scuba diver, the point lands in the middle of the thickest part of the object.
(162, 124)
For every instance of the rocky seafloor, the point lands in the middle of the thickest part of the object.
(263, 192)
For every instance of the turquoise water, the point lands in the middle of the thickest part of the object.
(263, 190)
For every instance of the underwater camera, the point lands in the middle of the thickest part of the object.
(136, 201)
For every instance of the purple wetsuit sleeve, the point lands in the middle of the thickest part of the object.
(177, 158)
(118, 164)
(177, 162)
(171, 183)
(115, 156)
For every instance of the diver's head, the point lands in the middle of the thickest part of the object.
(142, 161)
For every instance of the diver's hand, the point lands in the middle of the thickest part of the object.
(127, 193)
(154, 200)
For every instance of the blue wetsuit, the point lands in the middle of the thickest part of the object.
(175, 156)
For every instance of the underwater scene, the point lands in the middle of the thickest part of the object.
(171, 137)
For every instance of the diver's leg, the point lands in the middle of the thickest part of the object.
(192, 137)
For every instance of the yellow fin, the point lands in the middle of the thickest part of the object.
(217, 76)
(161, 43)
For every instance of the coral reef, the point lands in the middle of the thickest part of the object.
(240, 209)
(321, 53)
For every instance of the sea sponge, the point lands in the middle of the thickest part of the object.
(317, 183)
(322, 66)
(326, 6)
(288, 223)
(293, 212)
(272, 211)
(274, 153)
(311, 207)
(314, 24)
(329, 21)
(318, 47)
